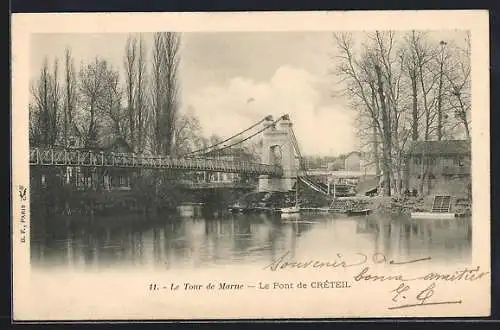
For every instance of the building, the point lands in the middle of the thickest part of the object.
(439, 167)
(109, 178)
(352, 161)
(336, 165)
(117, 178)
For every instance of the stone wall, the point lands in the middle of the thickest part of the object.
(455, 186)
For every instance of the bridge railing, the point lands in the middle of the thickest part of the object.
(70, 157)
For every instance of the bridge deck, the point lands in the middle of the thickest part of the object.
(68, 157)
(212, 185)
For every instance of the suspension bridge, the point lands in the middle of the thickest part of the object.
(280, 167)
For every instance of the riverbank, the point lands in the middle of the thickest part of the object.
(405, 205)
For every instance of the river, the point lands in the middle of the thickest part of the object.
(175, 243)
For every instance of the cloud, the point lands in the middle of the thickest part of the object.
(321, 126)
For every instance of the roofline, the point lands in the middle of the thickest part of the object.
(353, 152)
(464, 152)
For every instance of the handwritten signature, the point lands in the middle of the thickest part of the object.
(402, 292)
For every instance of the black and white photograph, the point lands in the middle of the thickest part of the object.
(327, 172)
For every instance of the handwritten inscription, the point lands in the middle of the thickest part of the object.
(285, 262)
(464, 274)
(339, 261)
(404, 293)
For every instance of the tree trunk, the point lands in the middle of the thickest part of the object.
(376, 159)
(439, 104)
(414, 124)
(463, 117)
(386, 127)
(422, 173)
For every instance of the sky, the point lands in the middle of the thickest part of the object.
(231, 80)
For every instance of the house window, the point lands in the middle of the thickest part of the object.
(431, 161)
(459, 161)
(448, 161)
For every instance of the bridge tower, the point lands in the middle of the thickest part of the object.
(277, 149)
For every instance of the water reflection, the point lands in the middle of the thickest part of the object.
(242, 239)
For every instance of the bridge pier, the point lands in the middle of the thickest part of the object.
(278, 149)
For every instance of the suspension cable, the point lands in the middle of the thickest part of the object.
(297, 149)
(248, 137)
(232, 137)
(302, 165)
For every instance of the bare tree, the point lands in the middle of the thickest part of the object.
(113, 107)
(457, 91)
(156, 93)
(70, 96)
(390, 60)
(427, 63)
(39, 107)
(96, 79)
(187, 135)
(44, 108)
(441, 62)
(165, 89)
(131, 123)
(428, 80)
(412, 69)
(141, 98)
(130, 83)
(373, 78)
(356, 72)
(34, 124)
(55, 98)
(378, 71)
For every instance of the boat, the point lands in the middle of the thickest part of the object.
(236, 208)
(433, 215)
(290, 210)
(359, 212)
(290, 217)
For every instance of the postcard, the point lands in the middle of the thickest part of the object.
(257, 165)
